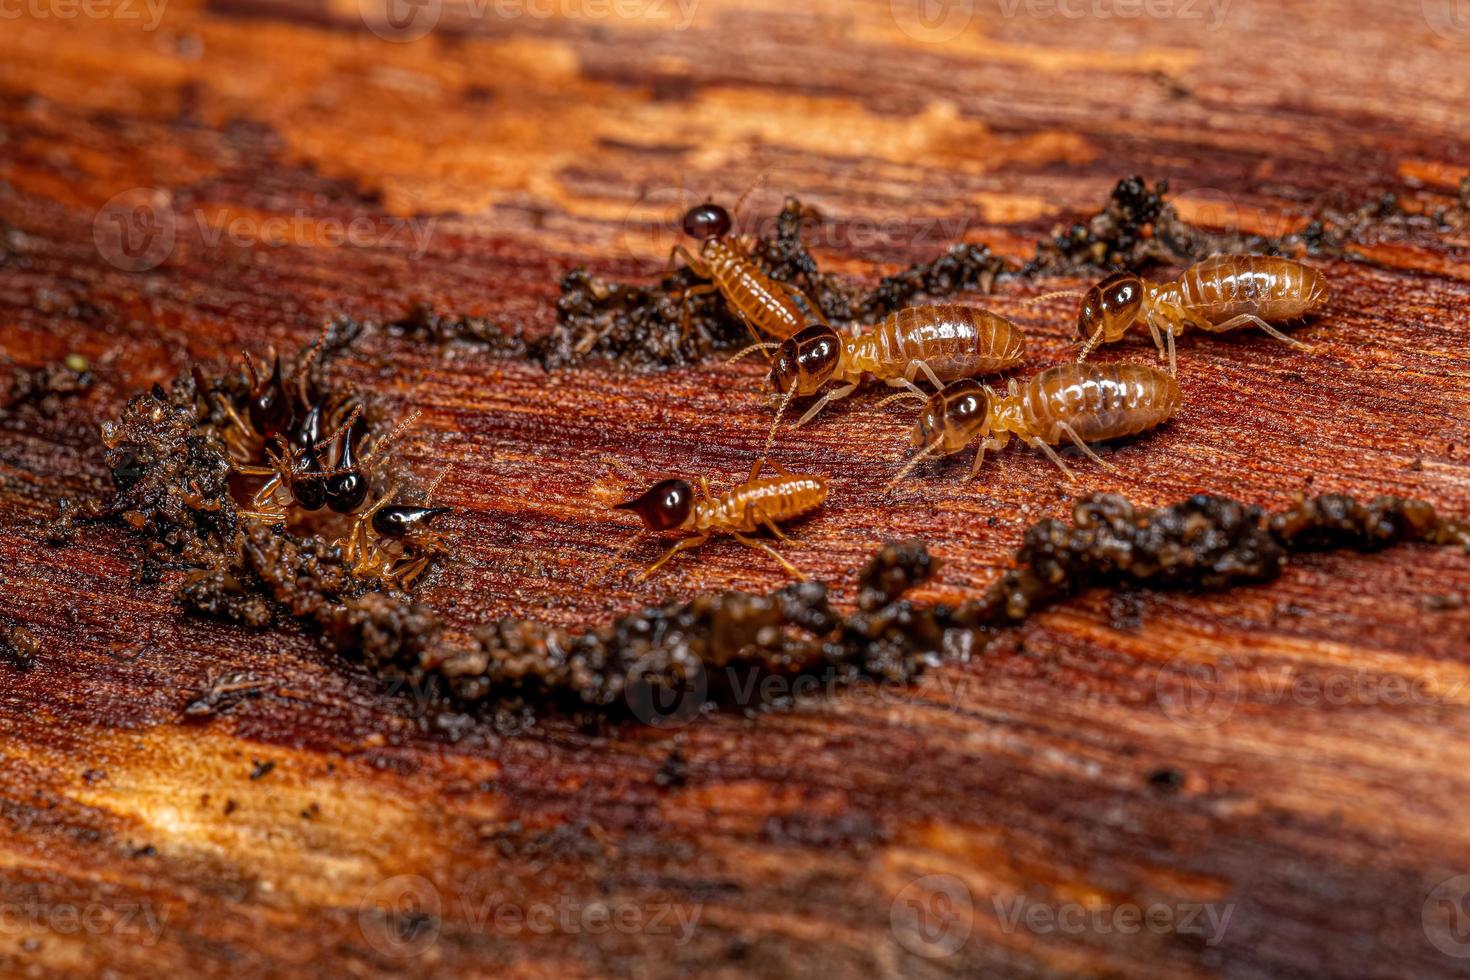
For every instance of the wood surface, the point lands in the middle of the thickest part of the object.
(1293, 752)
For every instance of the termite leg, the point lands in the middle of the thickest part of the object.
(1071, 433)
(806, 301)
(755, 515)
(823, 402)
(264, 493)
(1244, 318)
(683, 545)
(696, 264)
(761, 545)
(755, 469)
(265, 517)
(406, 575)
(1051, 454)
(916, 366)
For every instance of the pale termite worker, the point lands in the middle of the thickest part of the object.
(1082, 403)
(672, 506)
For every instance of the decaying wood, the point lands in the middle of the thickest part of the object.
(155, 815)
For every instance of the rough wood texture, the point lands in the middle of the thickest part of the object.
(1313, 785)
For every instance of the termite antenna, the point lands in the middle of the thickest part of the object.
(762, 347)
(908, 468)
(434, 487)
(250, 366)
(1090, 345)
(775, 423)
(347, 423)
(308, 357)
(1056, 295)
(398, 430)
(902, 394)
(759, 180)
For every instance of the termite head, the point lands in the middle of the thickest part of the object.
(807, 360)
(401, 520)
(1111, 306)
(665, 507)
(954, 417)
(706, 221)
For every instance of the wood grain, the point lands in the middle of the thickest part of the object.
(1312, 787)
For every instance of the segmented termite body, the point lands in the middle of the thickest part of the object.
(766, 306)
(944, 342)
(1082, 403)
(1219, 294)
(671, 506)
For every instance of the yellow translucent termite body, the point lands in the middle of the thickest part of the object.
(943, 342)
(1219, 294)
(1082, 403)
(766, 306)
(760, 502)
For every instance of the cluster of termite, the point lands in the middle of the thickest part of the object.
(951, 347)
(315, 455)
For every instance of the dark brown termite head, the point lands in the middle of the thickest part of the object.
(954, 417)
(707, 221)
(270, 407)
(806, 360)
(401, 520)
(1111, 306)
(666, 506)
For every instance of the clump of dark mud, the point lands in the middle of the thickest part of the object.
(1204, 542)
(18, 645)
(1136, 229)
(48, 385)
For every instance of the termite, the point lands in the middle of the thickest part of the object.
(943, 342)
(1080, 402)
(394, 542)
(767, 307)
(272, 406)
(760, 502)
(1219, 294)
(305, 476)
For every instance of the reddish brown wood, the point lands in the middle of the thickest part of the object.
(1049, 771)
